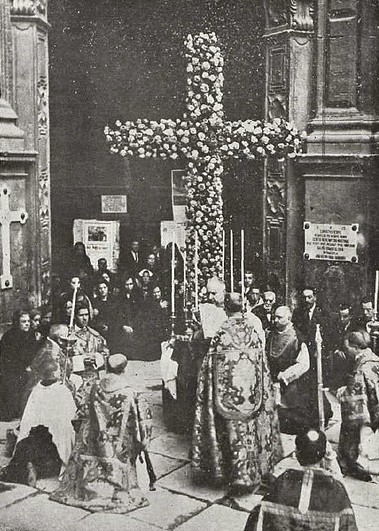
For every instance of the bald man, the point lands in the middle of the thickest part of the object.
(288, 358)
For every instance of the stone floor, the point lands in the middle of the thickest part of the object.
(176, 503)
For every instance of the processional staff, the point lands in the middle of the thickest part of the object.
(374, 331)
(70, 329)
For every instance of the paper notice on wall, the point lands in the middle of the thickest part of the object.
(173, 230)
(330, 242)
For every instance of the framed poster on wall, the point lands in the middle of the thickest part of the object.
(101, 239)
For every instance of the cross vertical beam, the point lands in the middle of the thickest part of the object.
(203, 139)
(7, 217)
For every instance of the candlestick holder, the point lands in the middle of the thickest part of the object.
(188, 321)
(374, 332)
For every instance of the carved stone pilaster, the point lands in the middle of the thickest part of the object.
(31, 15)
(346, 89)
(6, 54)
(289, 27)
(42, 105)
(277, 77)
(276, 198)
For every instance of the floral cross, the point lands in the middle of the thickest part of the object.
(204, 139)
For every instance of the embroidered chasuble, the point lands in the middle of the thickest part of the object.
(236, 436)
(101, 474)
(304, 500)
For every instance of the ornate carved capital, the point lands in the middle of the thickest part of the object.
(29, 7)
(301, 12)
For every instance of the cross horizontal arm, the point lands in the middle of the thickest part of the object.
(254, 139)
(145, 138)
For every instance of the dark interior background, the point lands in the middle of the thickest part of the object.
(120, 59)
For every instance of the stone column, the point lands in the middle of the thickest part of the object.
(18, 289)
(338, 170)
(289, 48)
(30, 36)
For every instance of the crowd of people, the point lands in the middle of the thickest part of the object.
(255, 371)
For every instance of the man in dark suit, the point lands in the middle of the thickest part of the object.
(335, 343)
(266, 311)
(133, 261)
(306, 317)
(251, 291)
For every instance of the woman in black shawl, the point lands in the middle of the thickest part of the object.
(18, 347)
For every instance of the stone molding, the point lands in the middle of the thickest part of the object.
(29, 7)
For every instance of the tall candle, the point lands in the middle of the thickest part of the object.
(196, 271)
(184, 278)
(223, 257)
(376, 294)
(231, 262)
(71, 325)
(243, 267)
(173, 274)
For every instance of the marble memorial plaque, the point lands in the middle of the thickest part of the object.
(330, 242)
